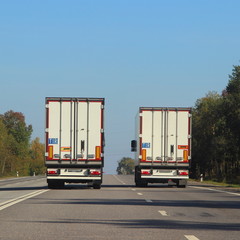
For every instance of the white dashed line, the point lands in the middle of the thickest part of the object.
(133, 189)
(140, 194)
(163, 213)
(191, 237)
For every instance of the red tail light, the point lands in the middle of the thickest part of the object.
(52, 171)
(146, 172)
(183, 173)
(95, 173)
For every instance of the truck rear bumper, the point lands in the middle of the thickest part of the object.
(165, 177)
(80, 175)
(73, 178)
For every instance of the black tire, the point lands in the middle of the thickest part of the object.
(181, 183)
(96, 186)
(141, 183)
(53, 184)
(138, 184)
(144, 183)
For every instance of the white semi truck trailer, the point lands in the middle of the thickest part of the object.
(162, 146)
(74, 141)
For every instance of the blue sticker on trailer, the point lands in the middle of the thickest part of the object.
(53, 141)
(145, 145)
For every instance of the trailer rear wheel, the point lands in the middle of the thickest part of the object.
(54, 184)
(182, 183)
(138, 180)
(96, 184)
(141, 183)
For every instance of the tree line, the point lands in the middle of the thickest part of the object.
(215, 135)
(18, 154)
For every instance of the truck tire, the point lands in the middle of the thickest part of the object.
(138, 181)
(137, 177)
(53, 184)
(141, 183)
(144, 183)
(138, 184)
(96, 184)
(182, 183)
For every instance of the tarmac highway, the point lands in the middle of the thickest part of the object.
(119, 210)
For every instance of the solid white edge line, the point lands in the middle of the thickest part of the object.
(14, 199)
(191, 237)
(216, 190)
(22, 198)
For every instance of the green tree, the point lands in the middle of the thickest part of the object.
(6, 143)
(232, 114)
(216, 133)
(37, 157)
(16, 126)
(17, 140)
(207, 142)
(232, 102)
(125, 166)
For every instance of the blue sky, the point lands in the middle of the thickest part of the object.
(132, 52)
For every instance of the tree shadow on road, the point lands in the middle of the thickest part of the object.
(142, 202)
(152, 224)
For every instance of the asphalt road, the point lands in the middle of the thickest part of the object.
(119, 210)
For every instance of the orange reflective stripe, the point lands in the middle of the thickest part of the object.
(98, 152)
(144, 154)
(185, 155)
(50, 152)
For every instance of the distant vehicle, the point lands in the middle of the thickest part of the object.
(162, 146)
(74, 141)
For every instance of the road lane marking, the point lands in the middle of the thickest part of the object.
(21, 198)
(191, 237)
(148, 200)
(119, 180)
(133, 189)
(139, 193)
(216, 190)
(163, 213)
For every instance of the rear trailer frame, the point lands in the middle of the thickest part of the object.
(74, 138)
(162, 146)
